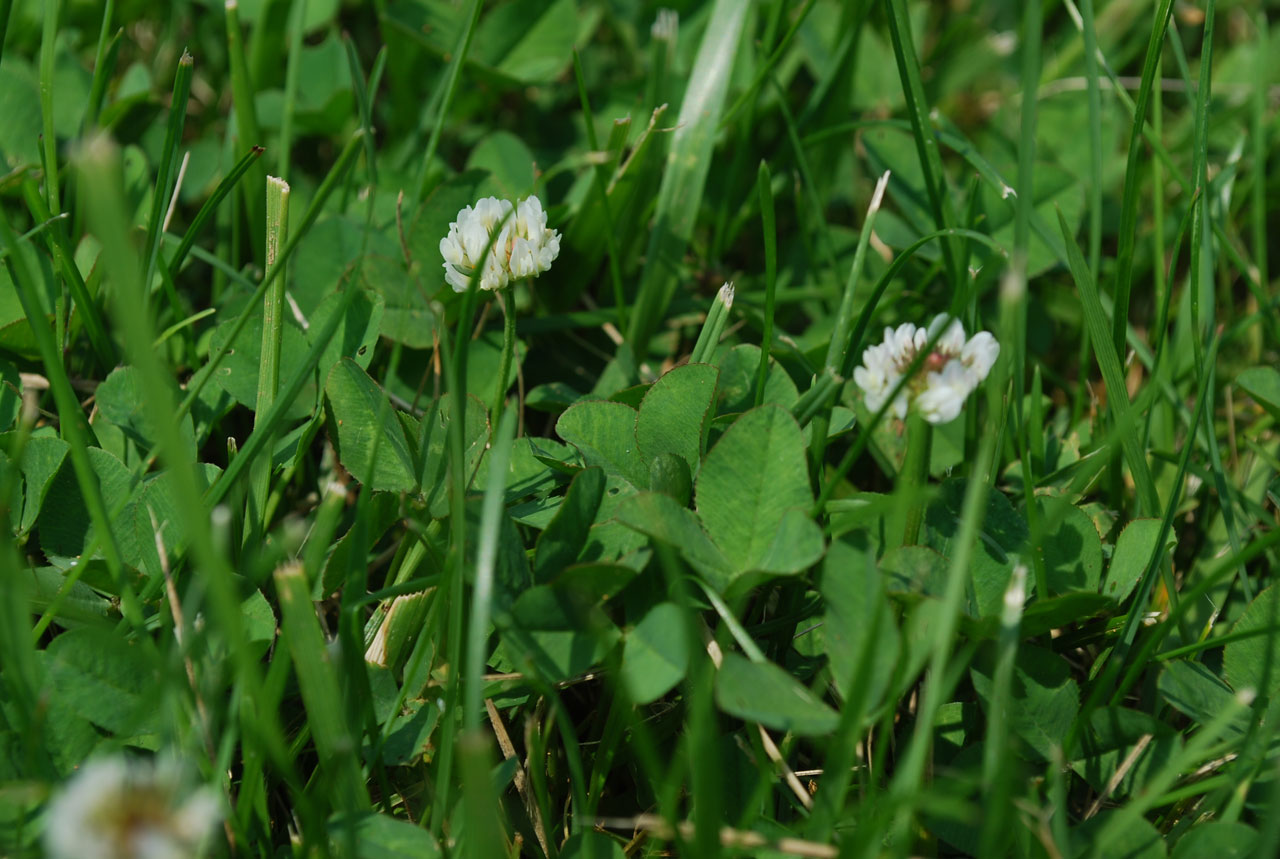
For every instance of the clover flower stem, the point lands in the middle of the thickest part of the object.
(915, 474)
(506, 299)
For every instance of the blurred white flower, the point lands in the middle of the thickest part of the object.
(115, 808)
(522, 246)
(665, 25)
(943, 381)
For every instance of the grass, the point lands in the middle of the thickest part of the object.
(618, 563)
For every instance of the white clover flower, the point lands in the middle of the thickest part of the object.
(940, 386)
(115, 808)
(522, 247)
(665, 25)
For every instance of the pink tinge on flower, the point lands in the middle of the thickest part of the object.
(945, 378)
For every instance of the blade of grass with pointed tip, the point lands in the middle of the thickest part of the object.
(292, 69)
(103, 62)
(6, 10)
(103, 347)
(321, 693)
(210, 206)
(49, 140)
(602, 199)
(331, 180)
(685, 176)
(443, 95)
(486, 560)
(1127, 228)
(768, 223)
(1112, 375)
(164, 175)
(74, 427)
(925, 139)
(247, 129)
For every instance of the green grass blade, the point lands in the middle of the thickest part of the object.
(74, 426)
(1112, 375)
(768, 223)
(482, 593)
(935, 181)
(64, 255)
(103, 63)
(247, 129)
(1127, 229)
(444, 94)
(292, 71)
(1095, 133)
(164, 175)
(210, 206)
(321, 693)
(6, 12)
(602, 199)
(685, 176)
(49, 139)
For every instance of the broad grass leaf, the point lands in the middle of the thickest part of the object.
(66, 527)
(429, 448)
(20, 106)
(157, 518)
(1140, 840)
(764, 693)
(661, 518)
(545, 38)
(591, 844)
(554, 632)
(105, 679)
(42, 457)
(1001, 537)
(916, 570)
(238, 373)
(259, 622)
(1072, 550)
(79, 606)
(357, 332)
(675, 414)
(1134, 548)
(605, 434)
(749, 481)
(855, 607)
(1114, 734)
(1195, 691)
(362, 420)
(737, 389)
(1045, 697)
(509, 163)
(380, 836)
(122, 395)
(1042, 615)
(1217, 839)
(565, 535)
(655, 654)
(1263, 384)
(1254, 662)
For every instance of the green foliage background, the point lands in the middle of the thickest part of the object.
(668, 586)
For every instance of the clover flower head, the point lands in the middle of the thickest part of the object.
(665, 25)
(521, 247)
(948, 375)
(115, 808)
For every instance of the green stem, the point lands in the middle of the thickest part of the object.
(915, 474)
(507, 302)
